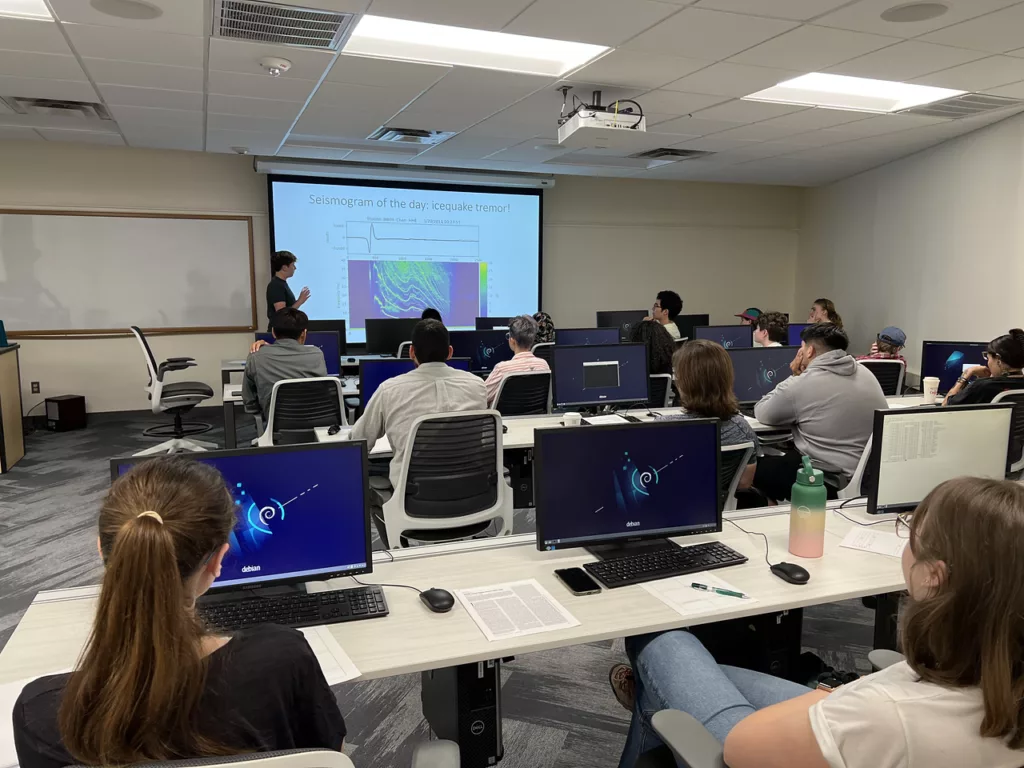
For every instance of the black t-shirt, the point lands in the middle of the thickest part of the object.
(984, 390)
(278, 290)
(264, 691)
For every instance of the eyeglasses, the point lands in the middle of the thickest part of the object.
(903, 525)
(986, 355)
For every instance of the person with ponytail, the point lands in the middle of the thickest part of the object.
(1004, 361)
(824, 311)
(153, 683)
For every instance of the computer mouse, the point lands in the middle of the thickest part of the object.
(792, 573)
(334, 429)
(438, 600)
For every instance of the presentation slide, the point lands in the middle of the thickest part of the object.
(374, 251)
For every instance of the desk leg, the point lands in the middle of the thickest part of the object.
(463, 704)
(230, 439)
(887, 614)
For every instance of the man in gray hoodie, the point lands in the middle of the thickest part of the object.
(829, 403)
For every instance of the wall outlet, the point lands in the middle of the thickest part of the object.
(35, 387)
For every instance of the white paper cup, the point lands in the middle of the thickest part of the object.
(572, 419)
(930, 388)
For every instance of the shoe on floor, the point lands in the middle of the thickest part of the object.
(623, 684)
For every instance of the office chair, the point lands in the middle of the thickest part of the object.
(735, 459)
(889, 374)
(1015, 460)
(432, 754)
(298, 406)
(661, 390)
(524, 394)
(451, 484)
(403, 350)
(545, 350)
(853, 488)
(175, 398)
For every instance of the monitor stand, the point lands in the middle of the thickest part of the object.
(613, 551)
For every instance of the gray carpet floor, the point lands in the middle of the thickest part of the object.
(559, 712)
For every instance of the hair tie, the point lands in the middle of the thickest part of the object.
(152, 514)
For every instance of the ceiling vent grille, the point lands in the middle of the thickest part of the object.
(81, 110)
(671, 155)
(963, 106)
(261, 22)
(409, 135)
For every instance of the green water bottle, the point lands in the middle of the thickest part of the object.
(807, 512)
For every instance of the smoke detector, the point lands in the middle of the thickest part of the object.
(275, 66)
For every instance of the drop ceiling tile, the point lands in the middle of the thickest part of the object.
(820, 138)
(797, 10)
(32, 35)
(183, 17)
(260, 124)
(530, 151)
(738, 111)
(282, 88)
(1019, 52)
(811, 48)
(978, 75)
(633, 68)
(21, 134)
(875, 126)
(816, 118)
(46, 66)
(713, 144)
(159, 137)
(170, 118)
(38, 88)
(109, 72)
(315, 153)
(866, 16)
(708, 35)
(755, 132)
(133, 96)
(662, 102)
(995, 32)
(476, 14)
(244, 58)
(905, 61)
(336, 123)
(385, 73)
(140, 45)
(346, 95)
(1011, 91)
(604, 22)
(726, 79)
(256, 142)
(694, 126)
(82, 137)
(467, 145)
(246, 107)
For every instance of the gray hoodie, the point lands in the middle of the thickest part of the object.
(830, 408)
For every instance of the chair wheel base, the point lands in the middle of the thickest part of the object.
(187, 429)
(178, 445)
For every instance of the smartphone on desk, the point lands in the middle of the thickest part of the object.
(578, 581)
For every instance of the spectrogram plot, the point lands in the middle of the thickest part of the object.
(383, 289)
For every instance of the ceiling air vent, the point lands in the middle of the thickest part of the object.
(86, 111)
(670, 155)
(261, 22)
(409, 135)
(963, 106)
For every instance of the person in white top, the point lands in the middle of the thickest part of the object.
(771, 329)
(522, 335)
(957, 701)
(666, 309)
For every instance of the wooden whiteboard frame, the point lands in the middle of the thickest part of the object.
(100, 332)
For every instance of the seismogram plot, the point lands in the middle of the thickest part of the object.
(383, 289)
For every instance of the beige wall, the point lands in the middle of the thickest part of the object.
(608, 244)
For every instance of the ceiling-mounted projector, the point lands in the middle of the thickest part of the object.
(592, 126)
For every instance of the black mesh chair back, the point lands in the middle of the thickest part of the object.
(404, 350)
(524, 394)
(545, 351)
(1015, 457)
(453, 466)
(660, 385)
(301, 406)
(889, 374)
(734, 459)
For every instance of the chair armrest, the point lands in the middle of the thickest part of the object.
(436, 754)
(173, 365)
(690, 742)
(181, 359)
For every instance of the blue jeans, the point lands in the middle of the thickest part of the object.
(673, 670)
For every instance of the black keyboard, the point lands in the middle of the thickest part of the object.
(747, 409)
(294, 610)
(631, 418)
(663, 564)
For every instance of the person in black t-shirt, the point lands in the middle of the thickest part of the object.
(153, 684)
(279, 295)
(1004, 360)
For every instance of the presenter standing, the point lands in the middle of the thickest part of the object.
(279, 295)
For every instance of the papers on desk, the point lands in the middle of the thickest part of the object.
(879, 542)
(611, 418)
(515, 609)
(335, 663)
(677, 593)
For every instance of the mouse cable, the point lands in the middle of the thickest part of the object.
(858, 522)
(391, 560)
(755, 533)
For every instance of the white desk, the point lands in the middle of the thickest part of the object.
(412, 639)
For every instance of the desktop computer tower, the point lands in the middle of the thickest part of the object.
(65, 412)
(463, 704)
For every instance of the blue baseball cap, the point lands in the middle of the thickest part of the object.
(893, 335)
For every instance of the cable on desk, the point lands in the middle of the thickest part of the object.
(858, 522)
(391, 560)
(755, 533)
(855, 498)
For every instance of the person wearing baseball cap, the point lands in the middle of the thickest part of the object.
(749, 316)
(888, 345)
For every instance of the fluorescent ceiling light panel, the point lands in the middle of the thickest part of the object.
(437, 43)
(25, 9)
(858, 94)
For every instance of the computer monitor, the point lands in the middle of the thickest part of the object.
(586, 336)
(331, 325)
(302, 512)
(599, 374)
(729, 336)
(385, 336)
(492, 323)
(485, 349)
(687, 324)
(327, 342)
(618, 484)
(623, 319)
(948, 360)
(915, 449)
(373, 373)
(795, 329)
(758, 370)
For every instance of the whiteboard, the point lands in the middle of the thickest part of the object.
(67, 272)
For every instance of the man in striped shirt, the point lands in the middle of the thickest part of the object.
(522, 333)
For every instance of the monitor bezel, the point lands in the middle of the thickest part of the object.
(621, 313)
(538, 469)
(746, 350)
(725, 325)
(924, 346)
(595, 328)
(869, 486)
(318, 326)
(619, 345)
(790, 325)
(488, 319)
(349, 445)
(363, 401)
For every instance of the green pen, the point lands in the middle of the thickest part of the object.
(718, 591)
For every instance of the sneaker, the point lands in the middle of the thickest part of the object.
(623, 684)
